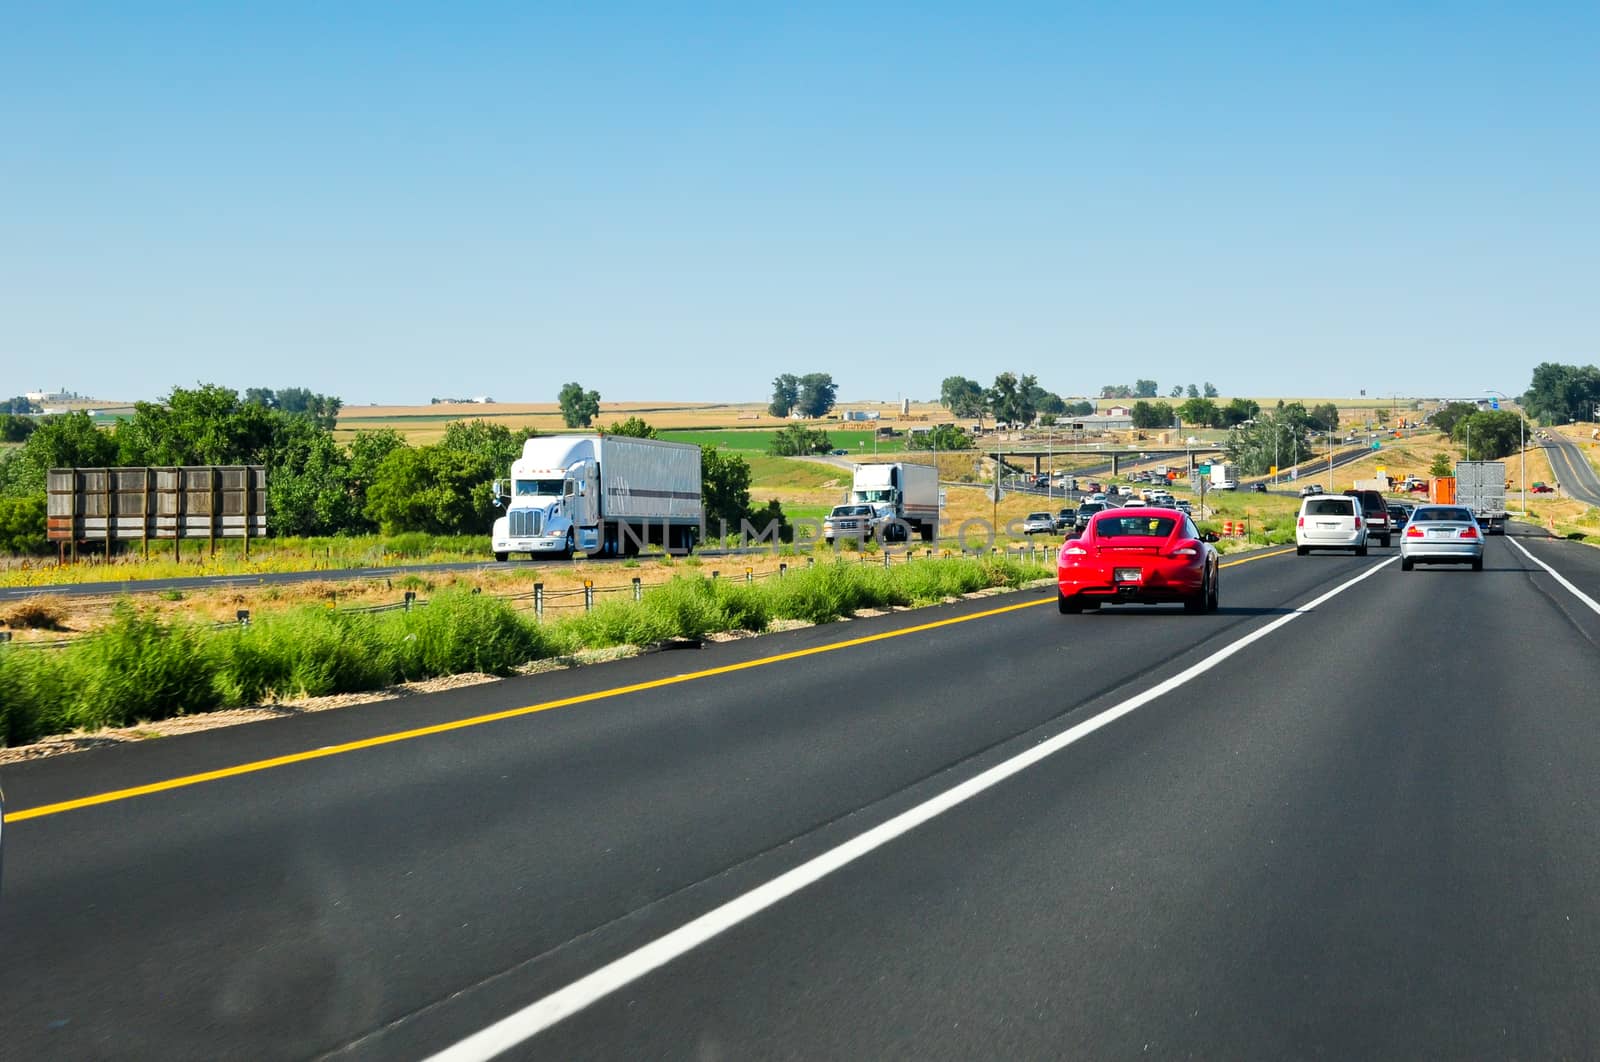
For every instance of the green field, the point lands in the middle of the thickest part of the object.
(760, 440)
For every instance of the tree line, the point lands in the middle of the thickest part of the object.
(316, 485)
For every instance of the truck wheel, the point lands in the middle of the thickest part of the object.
(927, 532)
(501, 557)
(566, 550)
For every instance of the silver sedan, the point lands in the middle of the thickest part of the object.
(1441, 534)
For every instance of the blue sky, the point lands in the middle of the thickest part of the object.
(678, 202)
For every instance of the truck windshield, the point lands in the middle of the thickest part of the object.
(877, 494)
(540, 488)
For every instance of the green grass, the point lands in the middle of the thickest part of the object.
(760, 439)
(141, 668)
(266, 555)
(790, 473)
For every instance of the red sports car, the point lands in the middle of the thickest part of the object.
(1144, 555)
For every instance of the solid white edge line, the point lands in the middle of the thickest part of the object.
(1594, 606)
(538, 1016)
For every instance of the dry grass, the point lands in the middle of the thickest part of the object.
(46, 612)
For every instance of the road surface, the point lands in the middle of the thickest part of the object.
(1572, 469)
(1350, 815)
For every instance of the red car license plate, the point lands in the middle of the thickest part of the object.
(1128, 575)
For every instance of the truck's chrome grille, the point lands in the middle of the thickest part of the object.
(524, 523)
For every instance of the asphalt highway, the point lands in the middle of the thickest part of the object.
(1573, 470)
(1349, 815)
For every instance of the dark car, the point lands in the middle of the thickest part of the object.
(1066, 518)
(1399, 514)
(1080, 519)
(1375, 511)
(1259, 488)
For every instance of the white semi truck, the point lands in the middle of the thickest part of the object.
(912, 490)
(602, 494)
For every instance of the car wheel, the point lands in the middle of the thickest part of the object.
(1477, 565)
(1383, 540)
(1215, 595)
(1067, 605)
(1361, 551)
(1197, 603)
(1407, 564)
(1301, 551)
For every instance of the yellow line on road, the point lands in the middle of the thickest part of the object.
(184, 781)
(254, 766)
(1258, 556)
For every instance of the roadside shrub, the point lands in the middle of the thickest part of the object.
(137, 668)
(461, 632)
(31, 695)
(308, 651)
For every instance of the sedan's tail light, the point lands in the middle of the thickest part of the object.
(1469, 532)
(1414, 532)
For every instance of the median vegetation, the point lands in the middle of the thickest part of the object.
(141, 668)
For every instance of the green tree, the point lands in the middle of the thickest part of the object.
(940, 437)
(1011, 399)
(1210, 390)
(1200, 413)
(1116, 391)
(797, 440)
(22, 525)
(1559, 393)
(19, 404)
(309, 483)
(1488, 435)
(431, 489)
(1080, 409)
(1447, 418)
(725, 486)
(67, 440)
(1176, 392)
(207, 425)
(633, 427)
(1152, 415)
(1441, 465)
(1325, 417)
(1194, 392)
(817, 394)
(14, 427)
(1144, 388)
(578, 407)
(962, 396)
(1271, 439)
(785, 395)
(1238, 411)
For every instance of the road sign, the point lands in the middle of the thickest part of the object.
(1204, 470)
(1273, 470)
(1376, 445)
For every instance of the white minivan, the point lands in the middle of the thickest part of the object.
(1330, 521)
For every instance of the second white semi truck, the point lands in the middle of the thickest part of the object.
(911, 489)
(601, 494)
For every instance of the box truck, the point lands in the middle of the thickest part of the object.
(912, 490)
(1224, 477)
(1481, 487)
(602, 494)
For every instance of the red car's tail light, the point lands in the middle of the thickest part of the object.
(1414, 532)
(1074, 551)
(1185, 551)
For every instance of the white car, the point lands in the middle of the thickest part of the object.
(1330, 521)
